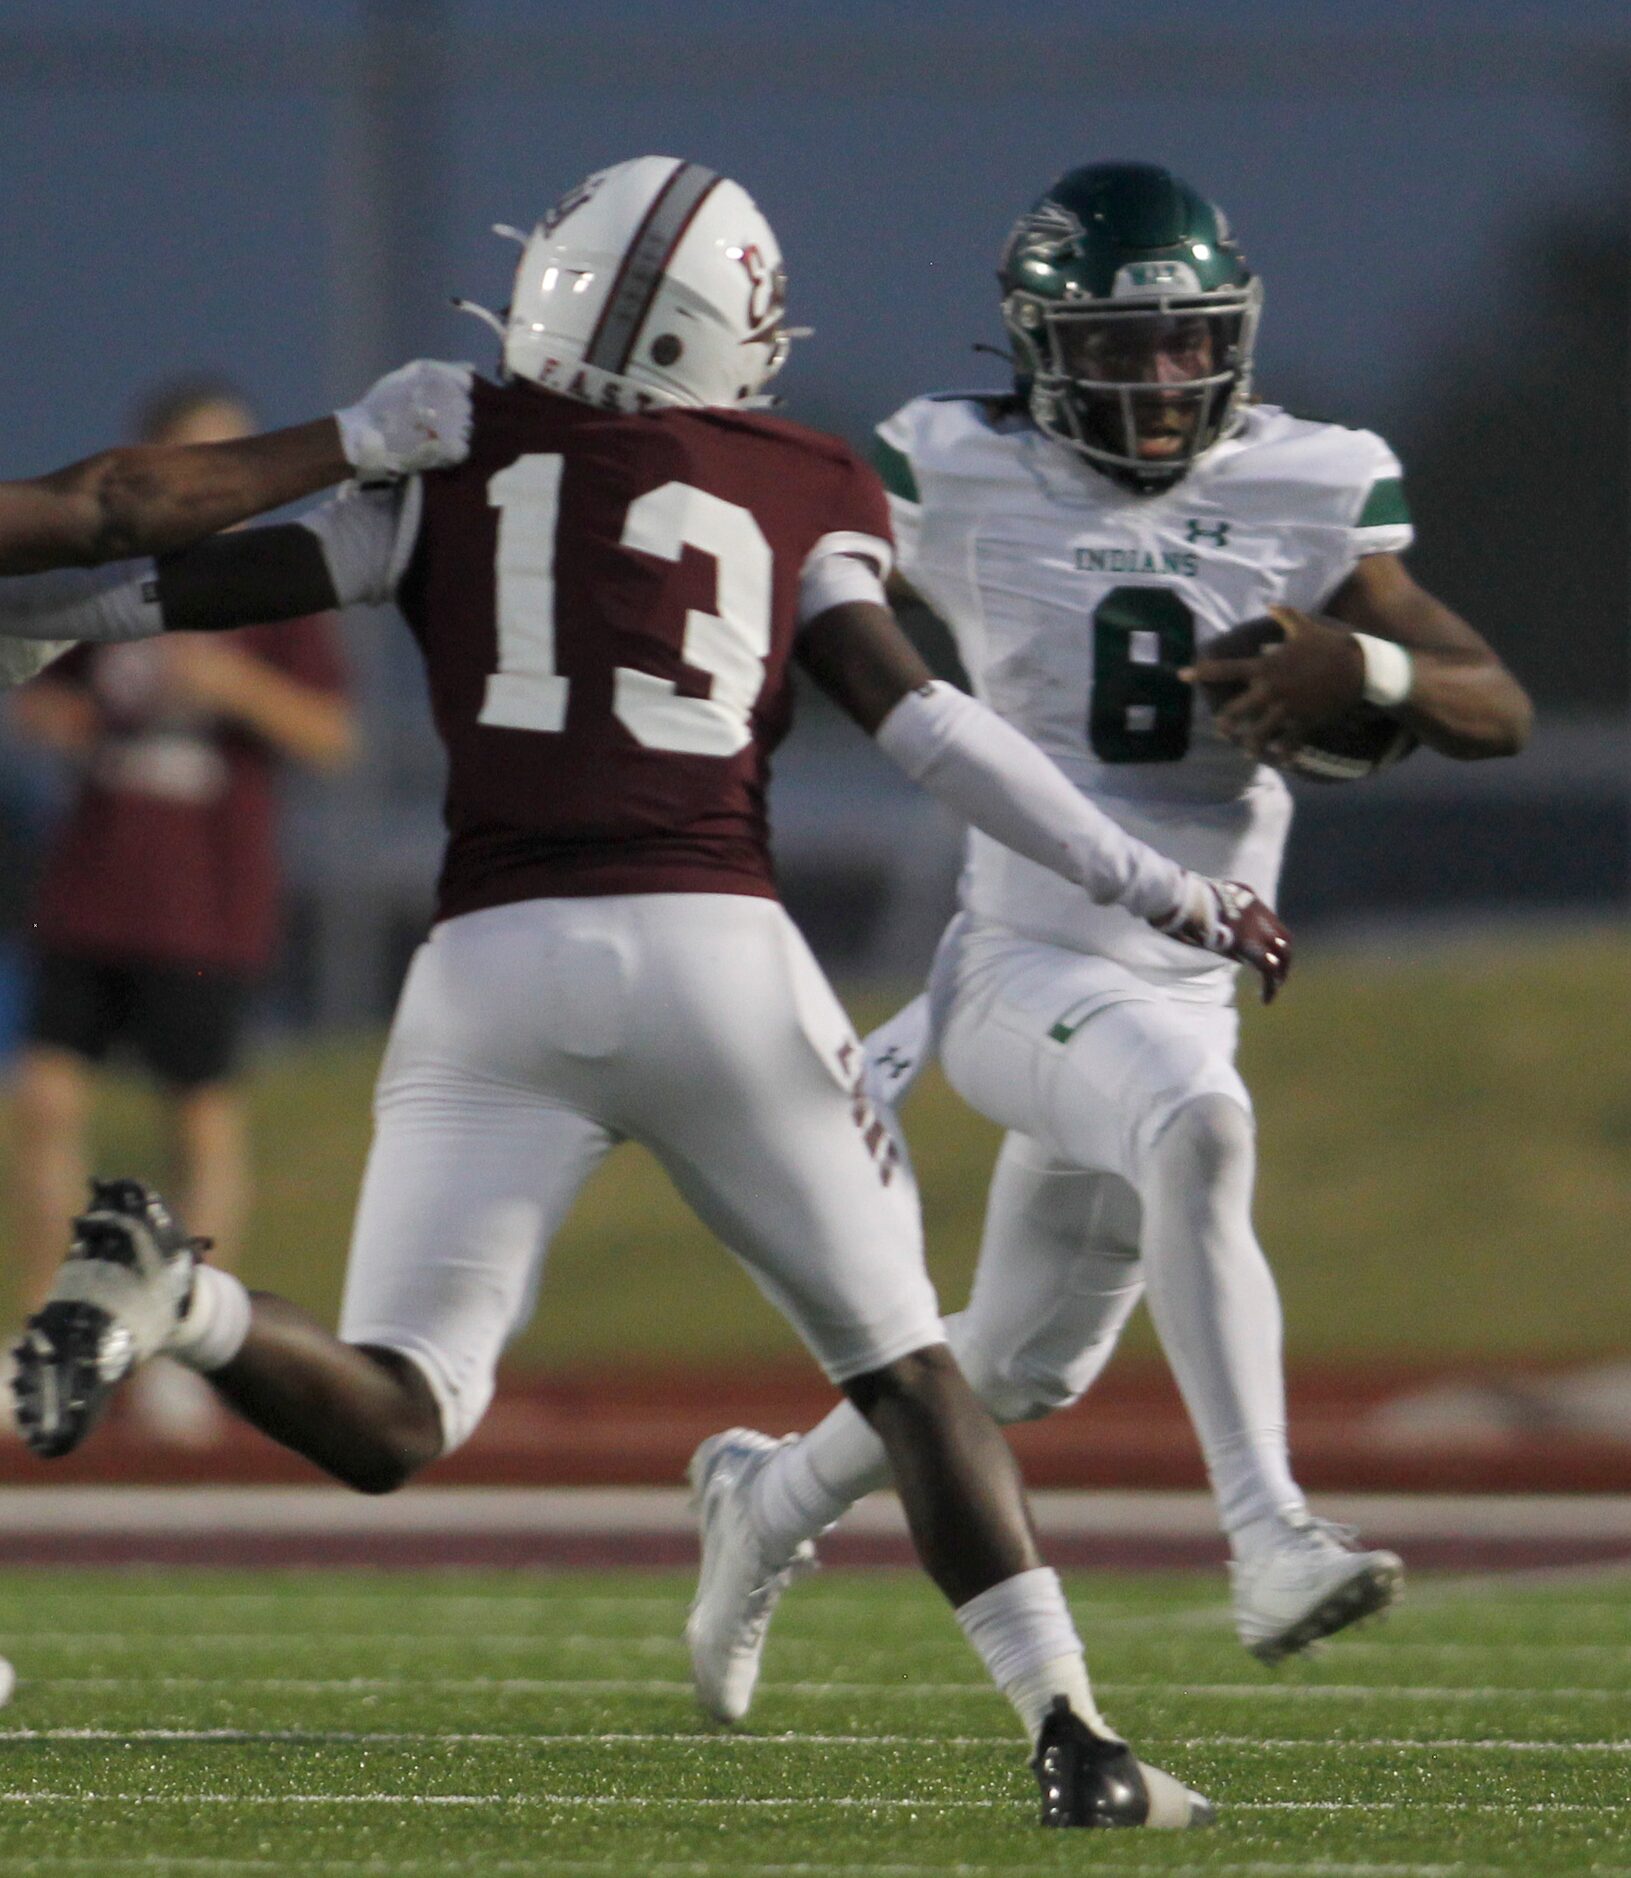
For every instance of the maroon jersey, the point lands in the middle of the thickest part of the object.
(169, 851)
(607, 606)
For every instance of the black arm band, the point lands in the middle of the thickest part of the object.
(246, 579)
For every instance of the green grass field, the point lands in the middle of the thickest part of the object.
(443, 1723)
(1446, 1170)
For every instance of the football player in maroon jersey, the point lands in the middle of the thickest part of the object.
(609, 595)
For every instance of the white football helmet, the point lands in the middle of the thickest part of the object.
(653, 282)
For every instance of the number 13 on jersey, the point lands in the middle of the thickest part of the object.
(529, 692)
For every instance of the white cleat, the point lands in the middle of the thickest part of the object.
(738, 1587)
(121, 1290)
(1311, 1585)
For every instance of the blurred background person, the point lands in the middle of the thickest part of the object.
(158, 906)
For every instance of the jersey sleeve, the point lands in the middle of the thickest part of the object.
(367, 537)
(851, 559)
(1381, 516)
(892, 457)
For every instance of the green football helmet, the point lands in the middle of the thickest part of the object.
(1133, 315)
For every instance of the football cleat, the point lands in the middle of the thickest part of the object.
(124, 1285)
(1312, 1585)
(738, 1588)
(1089, 1779)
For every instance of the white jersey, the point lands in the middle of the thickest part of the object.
(1074, 602)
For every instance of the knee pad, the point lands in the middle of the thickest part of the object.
(1211, 1134)
(1009, 1395)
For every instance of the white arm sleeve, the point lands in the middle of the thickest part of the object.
(102, 604)
(998, 780)
(367, 537)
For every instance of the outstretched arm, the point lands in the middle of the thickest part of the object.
(148, 499)
(152, 499)
(999, 781)
(349, 550)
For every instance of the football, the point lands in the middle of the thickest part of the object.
(1358, 742)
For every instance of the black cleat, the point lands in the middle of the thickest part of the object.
(1090, 1779)
(124, 1285)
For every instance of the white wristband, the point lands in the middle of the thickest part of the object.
(1389, 670)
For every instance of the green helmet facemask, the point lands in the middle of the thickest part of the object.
(1133, 316)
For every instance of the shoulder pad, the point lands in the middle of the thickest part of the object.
(768, 424)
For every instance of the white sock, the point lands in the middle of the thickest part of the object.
(1216, 1308)
(1266, 1533)
(1023, 1632)
(809, 1483)
(216, 1324)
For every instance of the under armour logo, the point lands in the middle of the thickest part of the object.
(892, 1061)
(1215, 532)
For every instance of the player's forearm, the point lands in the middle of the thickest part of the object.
(156, 498)
(1466, 709)
(996, 779)
(1456, 695)
(248, 579)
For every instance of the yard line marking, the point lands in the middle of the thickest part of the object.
(768, 1803)
(1397, 1646)
(1252, 1868)
(650, 1644)
(536, 1685)
(1005, 1743)
(653, 1643)
(1527, 1578)
(1430, 1745)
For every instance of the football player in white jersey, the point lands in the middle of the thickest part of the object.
(1085, 537)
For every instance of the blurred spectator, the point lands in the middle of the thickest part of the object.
(158, 907)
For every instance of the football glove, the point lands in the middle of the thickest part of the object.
(416, 418)
(1227, 918)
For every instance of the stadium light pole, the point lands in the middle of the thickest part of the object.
(387, 159)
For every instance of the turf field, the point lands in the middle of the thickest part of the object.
(408, 1723)
(1445, 1146)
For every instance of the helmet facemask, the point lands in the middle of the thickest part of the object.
(1140, 386)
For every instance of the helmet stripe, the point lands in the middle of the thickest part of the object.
(641, 271)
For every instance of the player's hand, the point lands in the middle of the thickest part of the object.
(416, 418)
(1227, 918)
(1316, 674)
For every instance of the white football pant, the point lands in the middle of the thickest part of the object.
(1127, 1171)
(531, 1039)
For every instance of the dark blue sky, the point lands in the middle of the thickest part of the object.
(1380, 163)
